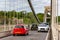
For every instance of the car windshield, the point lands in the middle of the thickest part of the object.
(19, 26)
(42, 25)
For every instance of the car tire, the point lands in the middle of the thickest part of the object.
(31, 28)
(13, 34)
(38, 31)
(27, 33)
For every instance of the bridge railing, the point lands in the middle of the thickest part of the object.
(56, 32)
(53, 33)
(5, 30)
(48, 35)
(6, 27)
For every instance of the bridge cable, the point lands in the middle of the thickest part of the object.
(30, 4)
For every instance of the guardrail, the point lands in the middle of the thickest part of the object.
(48, 37)
(53, 33)
(5, 33)
(56, 33)
(6, 27)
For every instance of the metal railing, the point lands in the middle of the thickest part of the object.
(55, 33)
(48, 35)
(7, 27)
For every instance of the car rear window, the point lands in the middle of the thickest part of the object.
(19, 26)
(42, 25)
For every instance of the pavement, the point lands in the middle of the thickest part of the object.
(33, 35)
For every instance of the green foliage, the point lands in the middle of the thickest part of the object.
(40, 16)
(27, 17)
(30, 18)
(58, 18)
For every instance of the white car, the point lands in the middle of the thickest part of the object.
(43, 27)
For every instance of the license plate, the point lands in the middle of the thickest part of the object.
(18, 32)
(42, 29)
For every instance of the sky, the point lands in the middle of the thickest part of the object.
(58, 7)
(20, 5)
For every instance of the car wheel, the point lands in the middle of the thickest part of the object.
(38, 31)
(31, 28)
(13, 34)
(27, 33)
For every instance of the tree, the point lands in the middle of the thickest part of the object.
(40, 16)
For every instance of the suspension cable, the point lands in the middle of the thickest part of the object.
(30, 4)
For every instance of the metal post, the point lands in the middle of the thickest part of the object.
(9, 20)
(9, 24)
(17, 13)
(5, 17)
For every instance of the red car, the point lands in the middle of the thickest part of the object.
(20, 29)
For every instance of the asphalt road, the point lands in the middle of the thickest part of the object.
(33, 35)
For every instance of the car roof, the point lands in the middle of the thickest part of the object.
(20, 25)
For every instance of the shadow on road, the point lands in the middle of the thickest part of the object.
(43, 31)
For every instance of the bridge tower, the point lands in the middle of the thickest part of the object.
(54, 23)
(46, 13)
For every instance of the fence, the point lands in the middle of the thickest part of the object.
(56, 33)
(6, 27)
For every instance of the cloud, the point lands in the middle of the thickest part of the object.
(20, 5)
(40, 4)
